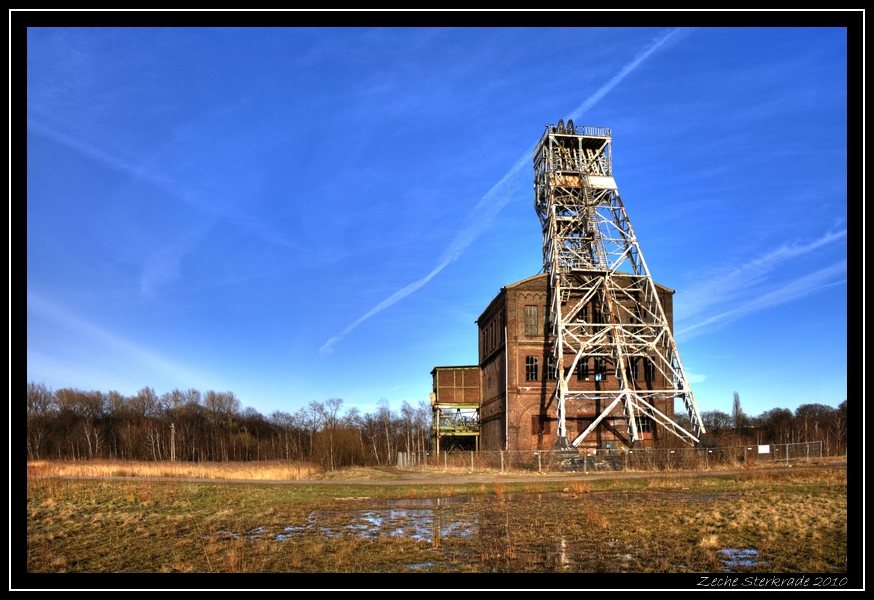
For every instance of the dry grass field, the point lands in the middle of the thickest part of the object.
(259, 471)
(752, 522)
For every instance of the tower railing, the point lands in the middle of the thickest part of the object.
(589, 131)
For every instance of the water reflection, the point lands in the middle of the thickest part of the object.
(431, 520)
(420, 524)
(734, 557)
(448, 501)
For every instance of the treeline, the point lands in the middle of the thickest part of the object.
(809, 423)
(193, 426)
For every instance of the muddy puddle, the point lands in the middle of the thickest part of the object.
(471, 522)
(637, 496)
(432, 519)
(420, 524)
(733, 558)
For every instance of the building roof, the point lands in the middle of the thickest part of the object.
(455, 367)
(527, 279)
(542, 276)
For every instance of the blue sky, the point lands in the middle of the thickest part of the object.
(302, 214)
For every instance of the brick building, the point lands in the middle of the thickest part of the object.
(611, 323)
(517, 409)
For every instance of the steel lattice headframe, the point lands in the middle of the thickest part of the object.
(593, 260)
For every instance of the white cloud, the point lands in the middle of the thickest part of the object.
(695, 377)
(739, 282)
(802, 286)
(497, 197)
(133, 353)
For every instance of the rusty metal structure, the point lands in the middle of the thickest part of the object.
(602, 301)
(455, 405)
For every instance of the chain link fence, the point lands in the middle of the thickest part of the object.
(605, 460)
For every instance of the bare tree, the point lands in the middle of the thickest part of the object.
(738, 419)
(386, 418)
(93, 411)
(422, 419)
(408, 423)
(77, 424)
(327, 415)
(69, 418)
(814, 421)
(221, 410)
(839, 428)
(716, 421)
(777, 424)
(283, 423)
(39, 407)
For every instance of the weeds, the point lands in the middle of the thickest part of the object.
(580, 487)
(263, 471)
(593, 518)
(794, 522)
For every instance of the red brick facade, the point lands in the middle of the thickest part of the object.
(518, 398)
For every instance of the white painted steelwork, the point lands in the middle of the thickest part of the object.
(603, 302)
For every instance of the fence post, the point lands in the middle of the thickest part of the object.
(787, 454)
(445, 467)
(502, 461)
(807, 452)
(539, 468)
(471, 461)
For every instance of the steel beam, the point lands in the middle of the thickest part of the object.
(603, 301)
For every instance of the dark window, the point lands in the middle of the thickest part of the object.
(600, 368)
(649, 370)
(530, 368)
(583, 369)
(632, 368)
(644, 424)
(531, 320)
(549, 370)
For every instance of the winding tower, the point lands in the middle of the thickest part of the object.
(602, 303)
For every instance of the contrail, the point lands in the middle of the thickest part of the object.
(797, 288)
(497, 197)
(732, 285)
(133, 353)
(660, 42)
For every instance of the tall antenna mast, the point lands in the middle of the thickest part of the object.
(603, 304)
